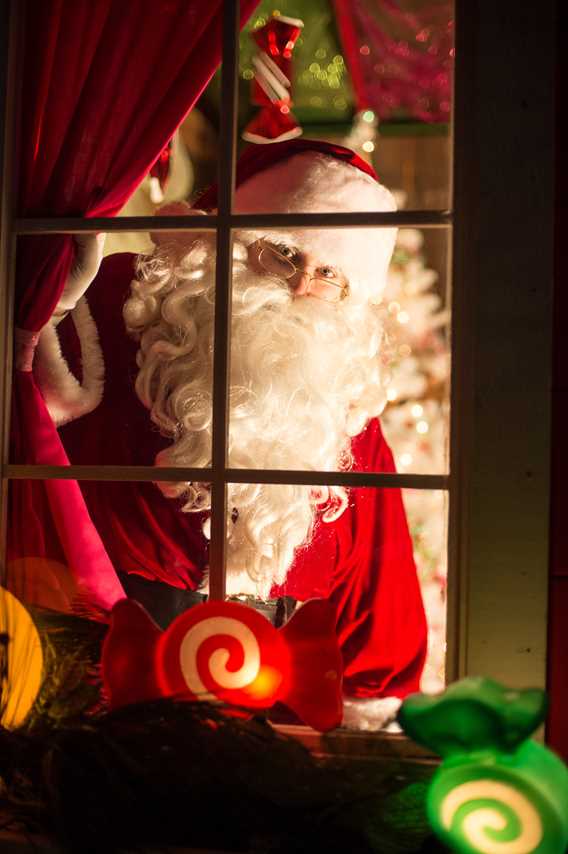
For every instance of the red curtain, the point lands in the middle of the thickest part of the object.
(400, 56)
(105, 85)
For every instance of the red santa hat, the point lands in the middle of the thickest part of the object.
(310, 176)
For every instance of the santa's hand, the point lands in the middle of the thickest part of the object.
(88, 257)
(180, 239)
(371, 714)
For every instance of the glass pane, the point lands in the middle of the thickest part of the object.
(75, 546)
(379, 555)
(187, 165)
(427, 516)
(72, 551)
(329, 350)
(68, 166)
(128, 373)
(416, 165)
(416, 311)
(376, 78)
(57, 569)
(286, 545)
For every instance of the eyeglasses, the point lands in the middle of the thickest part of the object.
(321, 287)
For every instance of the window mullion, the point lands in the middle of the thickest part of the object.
(359, 219)
(10, 84)
(223, 277)
(138, 474)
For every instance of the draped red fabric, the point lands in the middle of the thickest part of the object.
(105, 85)
(400, 56)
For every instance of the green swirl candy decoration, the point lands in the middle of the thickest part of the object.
(496, 791)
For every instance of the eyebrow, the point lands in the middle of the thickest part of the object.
(277, 242)
(282, 241)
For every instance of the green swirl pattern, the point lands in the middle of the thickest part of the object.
(496, 792)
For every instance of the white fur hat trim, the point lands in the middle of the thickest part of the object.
(312, 182)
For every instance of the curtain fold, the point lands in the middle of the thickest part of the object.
(105, 85)
(400, 56)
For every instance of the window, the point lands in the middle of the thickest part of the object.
(497, 480)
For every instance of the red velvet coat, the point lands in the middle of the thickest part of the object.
(362, 562)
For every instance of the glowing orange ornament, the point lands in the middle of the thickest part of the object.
(23, 661)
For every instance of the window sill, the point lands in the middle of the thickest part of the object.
(343, 744)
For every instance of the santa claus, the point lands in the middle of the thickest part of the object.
(306, 390)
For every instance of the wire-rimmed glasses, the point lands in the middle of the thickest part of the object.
(332, 289)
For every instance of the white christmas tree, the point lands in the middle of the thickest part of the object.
(415, 422)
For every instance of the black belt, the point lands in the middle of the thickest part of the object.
(164, 602)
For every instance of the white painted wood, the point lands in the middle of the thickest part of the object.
(502, 280)
(172, 473)
(76, 225)
(9, 89)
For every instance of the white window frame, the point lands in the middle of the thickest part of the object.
(503, 192)
(498, 567)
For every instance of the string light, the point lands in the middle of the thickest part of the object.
(392, 394)
(368, 146)
(422, 427)
(403, 317)
(417, 410)
(405, 460)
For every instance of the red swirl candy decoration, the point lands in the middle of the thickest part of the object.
(214, 652)
(228, 652)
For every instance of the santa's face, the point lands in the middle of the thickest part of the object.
(301, 268)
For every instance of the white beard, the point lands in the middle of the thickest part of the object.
(304, 378)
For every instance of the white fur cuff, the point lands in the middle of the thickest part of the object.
(370, 714)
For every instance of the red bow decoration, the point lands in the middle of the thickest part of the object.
(271, 88)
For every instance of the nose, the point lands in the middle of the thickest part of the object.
(301, 284)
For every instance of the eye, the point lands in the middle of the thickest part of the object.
(286, 251)
(327, 272)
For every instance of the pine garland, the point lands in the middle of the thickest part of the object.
(179, 773)
(189, 774)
